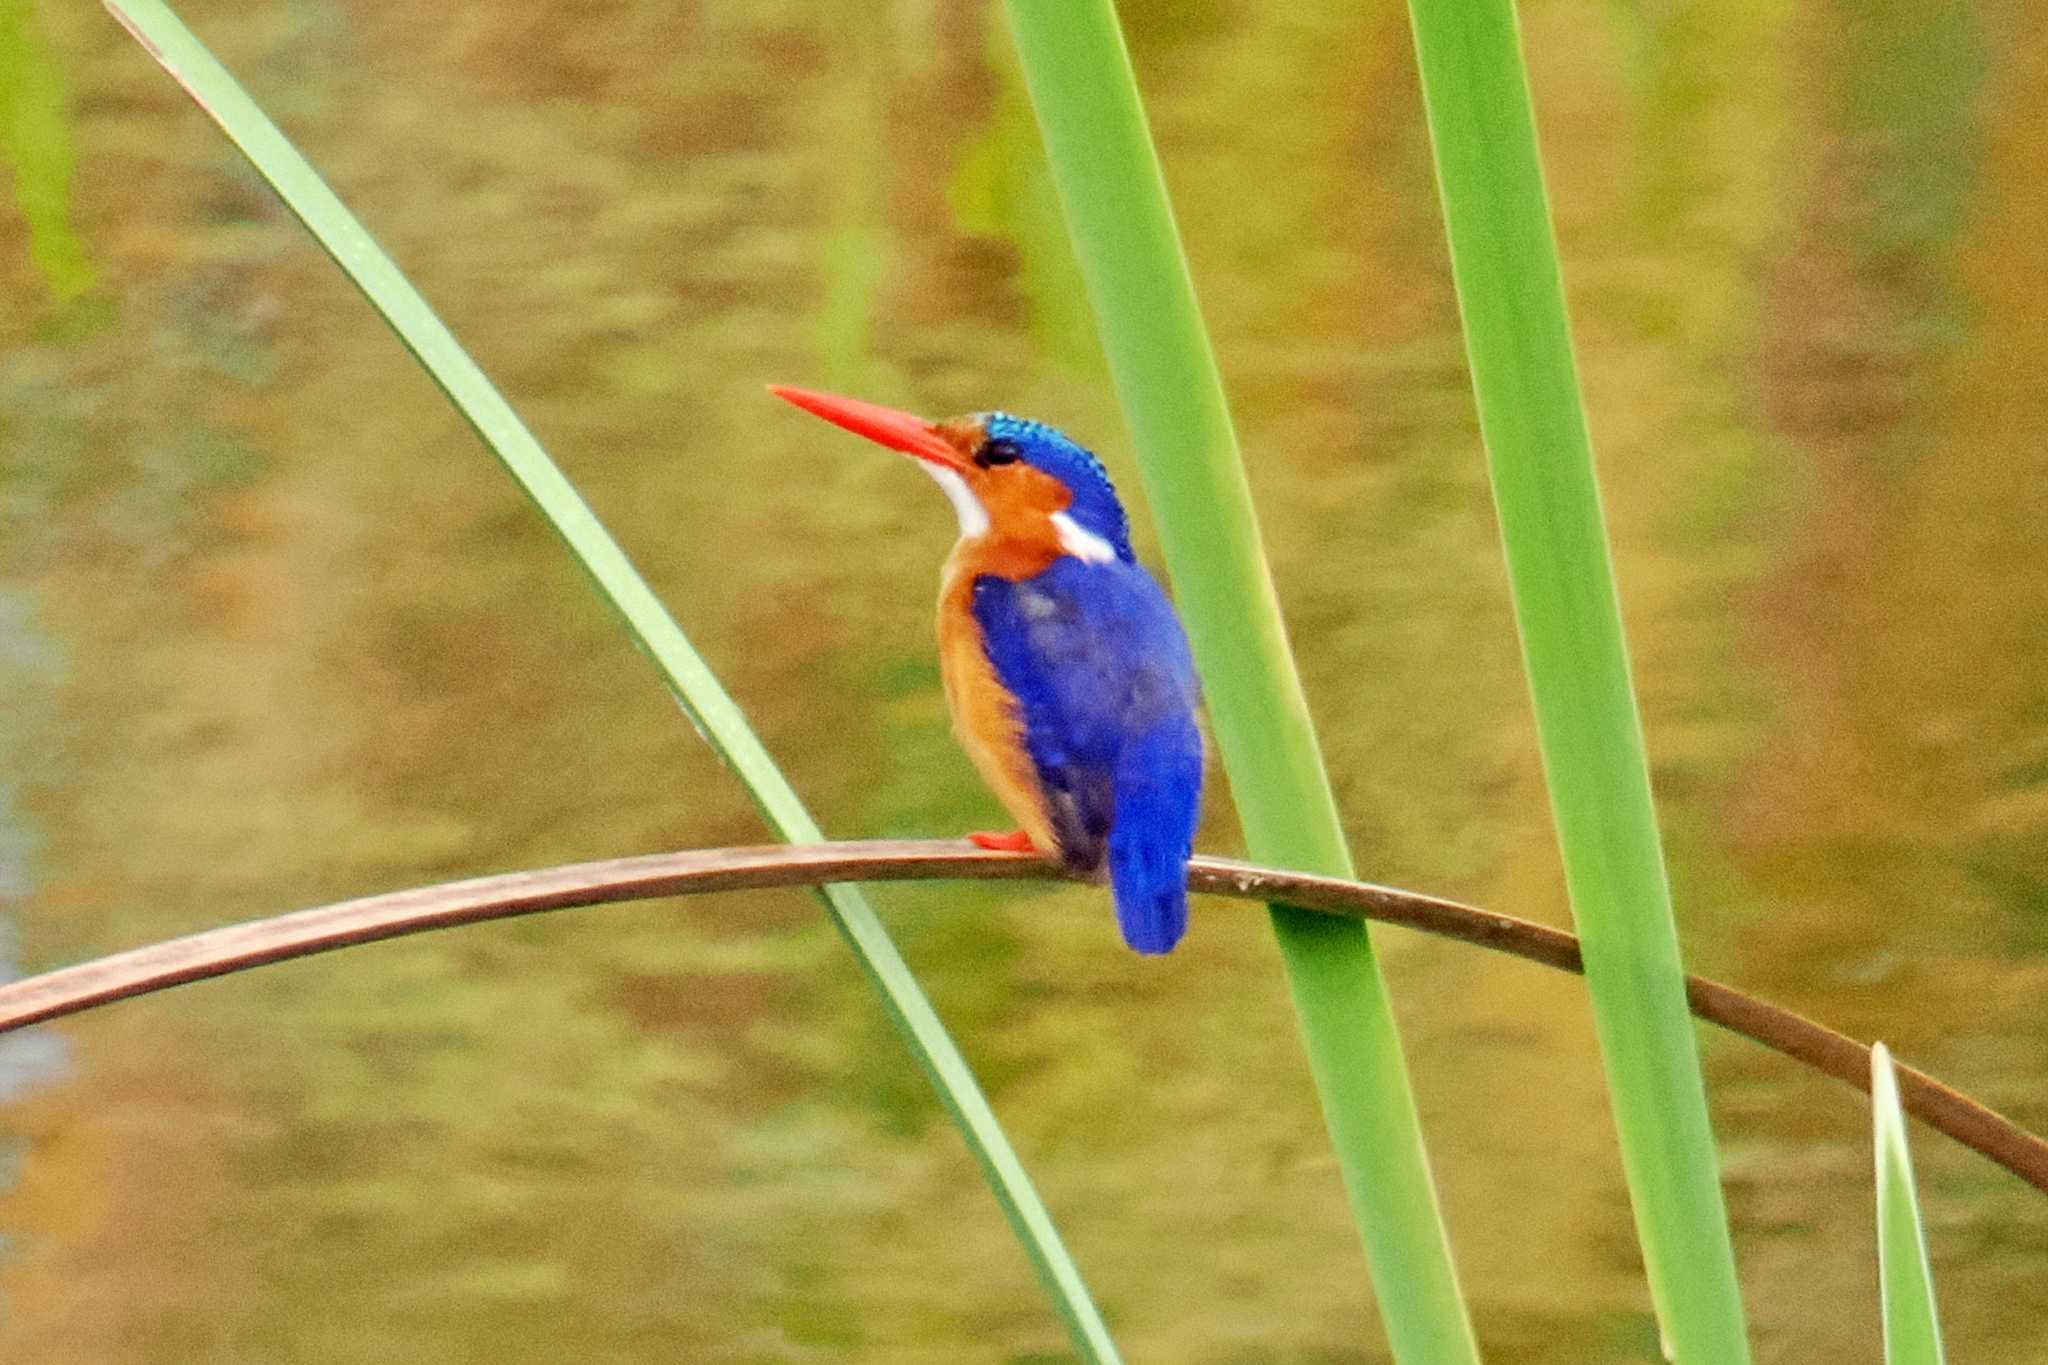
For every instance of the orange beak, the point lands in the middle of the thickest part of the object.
(884, 426)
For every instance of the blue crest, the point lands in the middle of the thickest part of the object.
(1095, 507)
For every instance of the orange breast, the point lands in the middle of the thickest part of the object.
(985, 715)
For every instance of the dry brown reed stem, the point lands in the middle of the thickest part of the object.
(237, 947)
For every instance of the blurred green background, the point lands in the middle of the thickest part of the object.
(274, 630)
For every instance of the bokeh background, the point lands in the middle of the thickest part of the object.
(274, 629)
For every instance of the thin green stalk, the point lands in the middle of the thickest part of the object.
(1912, 1328)
(35, 143)
(1079, 77)
(1511, 295)
(703, 699)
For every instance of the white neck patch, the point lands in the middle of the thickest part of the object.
(973, 516)
(1080, 542)
(1075, 539)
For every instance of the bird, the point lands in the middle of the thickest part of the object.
(1066, 671)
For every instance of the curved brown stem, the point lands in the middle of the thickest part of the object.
(236, 947)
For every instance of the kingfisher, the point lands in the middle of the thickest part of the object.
(1066, 671)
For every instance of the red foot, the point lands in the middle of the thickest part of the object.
(1017, 841)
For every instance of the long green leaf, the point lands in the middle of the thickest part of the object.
(1510, 292)
(35, 141)
(1081, 85)
(1912, 1329)
(702, 698)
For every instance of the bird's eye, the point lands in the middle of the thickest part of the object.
(997, 452)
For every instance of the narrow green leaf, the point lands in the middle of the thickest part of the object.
(35, 139)
(1912, 1329)
(1003, 188)
(702, 697)
(1081, 85)
(853, 257)
(1510, 292)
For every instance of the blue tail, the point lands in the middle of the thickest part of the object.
(1158, 799)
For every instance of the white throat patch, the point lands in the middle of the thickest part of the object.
(973, 516)
(1075, 539)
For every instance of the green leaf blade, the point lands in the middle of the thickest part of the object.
(35, 144)
(689, 678)
(1113, 193)
(1511, 297)
(1912, 1327)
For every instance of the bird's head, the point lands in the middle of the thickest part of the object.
(1018, 481)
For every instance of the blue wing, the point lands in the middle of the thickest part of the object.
(1107, 694)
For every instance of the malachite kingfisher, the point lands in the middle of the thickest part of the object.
(1065, 668)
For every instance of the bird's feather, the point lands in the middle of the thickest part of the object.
(1105, 695)
(1158, 799)
(986, 715)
